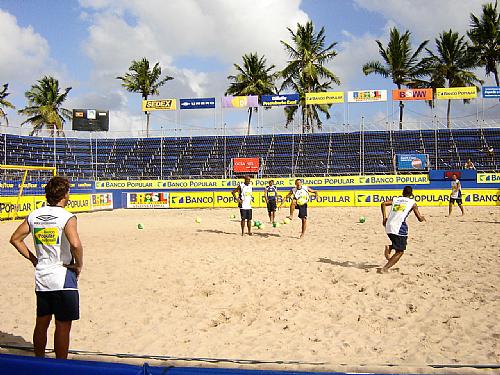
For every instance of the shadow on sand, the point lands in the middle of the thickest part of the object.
(257, 234)
(348, 264)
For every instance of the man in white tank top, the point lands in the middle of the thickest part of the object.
(456, 194)
(396, 226)
(244, 199)
(58, 261)
(300, 196)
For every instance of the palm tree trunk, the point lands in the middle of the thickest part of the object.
(249, 119)
(304, 119)
(147, 124)
(401, 106)
(448, 120)
(495, 72)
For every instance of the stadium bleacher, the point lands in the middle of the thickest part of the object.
(316, 154)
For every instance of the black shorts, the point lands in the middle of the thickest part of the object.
(398, 242)
(245, 214)
(458, 200)
(271, 205)
(63, 304)
(302, 211)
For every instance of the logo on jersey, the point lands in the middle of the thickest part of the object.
(399, 207)
(46, 236)
(46, 217)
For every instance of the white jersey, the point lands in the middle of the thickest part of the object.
(246, 196)
(396, 222)
(302, 193)
(52, 249)
(456, 189)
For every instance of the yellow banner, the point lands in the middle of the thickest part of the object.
(325, 97)
(488, 178)
(159, 105)
(456, 93)
(192, 200)
(79, 203)
(332, 198)
(8, 206)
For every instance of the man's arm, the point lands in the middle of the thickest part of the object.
(265, 195)
(284, 199)
(419, 216)
(383, 205)
(75, 245)
(237, 190)
(17, 240)
(312, 191)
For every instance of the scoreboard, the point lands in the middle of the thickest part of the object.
(90, 120)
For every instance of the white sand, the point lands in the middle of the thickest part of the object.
(201, 290)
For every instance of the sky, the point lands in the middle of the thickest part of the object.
(86, 44)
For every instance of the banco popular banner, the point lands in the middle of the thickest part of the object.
(488, 178)
(456, 93)
(159, 105)
(324, 97)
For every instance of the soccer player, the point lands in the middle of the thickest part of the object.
(271, 194)
(244, 191)
(300, 196)
(456, 194)
(58, 263)
(396, 227)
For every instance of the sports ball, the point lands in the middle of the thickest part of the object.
(140, 226)
(362, 219)
(286, 220)
(198, 220)
(301, 201)
(276, 224)
(233, 216)
(261, 226)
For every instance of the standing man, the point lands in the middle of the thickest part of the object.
(271, 194)
(244, 199)
(300, 196)
(58, 263)
(456, 194)
(396, 227)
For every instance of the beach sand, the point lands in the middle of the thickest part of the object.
(182, 289)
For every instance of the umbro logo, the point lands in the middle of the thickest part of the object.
(46, 217)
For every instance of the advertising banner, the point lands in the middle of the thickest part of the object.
(488, 178)
(198, 103)
(78, 203)
(159, 105)
(24, 207)
(412, 94)
(103, 201)
(367, 96)
(491, 92)
(242, 165)
(280, 100)
(333, 198)
(148, 200)
(412, 162)
(191, 199)
(325, 97)
(240, 101)
(456, 93)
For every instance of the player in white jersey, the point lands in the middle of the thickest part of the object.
(300, 196)
(396, 226)
(58, 261)
(456, 194)
(244, 198)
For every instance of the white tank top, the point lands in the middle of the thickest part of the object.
(396, 222)
(52, 249)
(246, 196)
(301, 194)
(456, 190)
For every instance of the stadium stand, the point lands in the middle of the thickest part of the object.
(316, 154)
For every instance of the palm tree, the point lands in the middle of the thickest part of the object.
(4, 103)
(452, 65)
(254, 78)
(143, 80)
(401, 63)
(485, 36)
(44, 107)
(306, 72)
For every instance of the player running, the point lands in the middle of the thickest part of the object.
(271, 194)
(456, 194)
(300, 196)
(396, 226)
(244, 199)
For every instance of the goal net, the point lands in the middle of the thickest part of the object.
(21, 189)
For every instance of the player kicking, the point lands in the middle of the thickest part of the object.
(271, 194)
(300, 196)
(244, 191)
(396, 227)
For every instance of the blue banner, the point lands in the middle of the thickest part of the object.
(284, 99)
(491, 92)
(412, 162)
(197, 103)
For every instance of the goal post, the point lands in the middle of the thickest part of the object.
(15, 179)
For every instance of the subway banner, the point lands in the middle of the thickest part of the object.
(280, 100)
(240, 101)
(325, 97)
(333, 181)
(159, 105)
(412, 94)
(488, 178)
(148, 200)
(456, 93)
(198, 103)
(366, 96)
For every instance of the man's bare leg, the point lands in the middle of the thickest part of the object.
(461, 209)
(61, 338)
(392, 261)
(450, 208)
(304, 226)
(40, 334)
(249, 226)
(387, 251)
(242, 227)
(292, 209)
